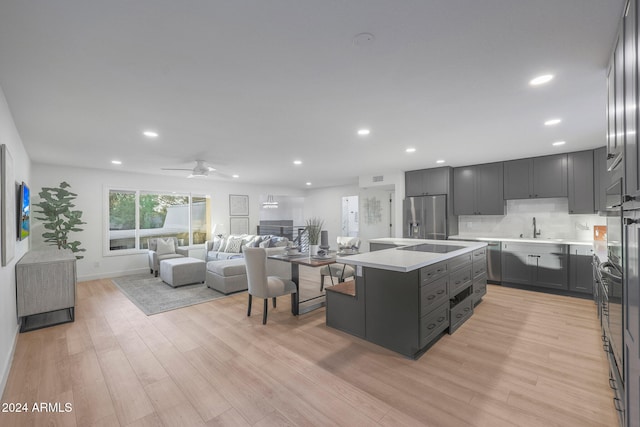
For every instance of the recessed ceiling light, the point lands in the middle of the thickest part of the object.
(150, 134)
(116, 162)
(308, 183)
(552, 122)
(235, 176)
(297, 162)
(559, 143)
(440, 161)
(410, 150)
(364, 132)
(540, 80)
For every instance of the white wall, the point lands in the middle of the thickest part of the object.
(90, 186)
(8, 315)
(393, 180)
(326, 204)
(375, 214)
(552, 218)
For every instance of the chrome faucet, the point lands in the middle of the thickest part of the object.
(536, 233)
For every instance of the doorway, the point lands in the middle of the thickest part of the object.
(350, 225)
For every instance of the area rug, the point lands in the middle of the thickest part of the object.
(153, 296)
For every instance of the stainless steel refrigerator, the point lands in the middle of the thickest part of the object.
(425, 217)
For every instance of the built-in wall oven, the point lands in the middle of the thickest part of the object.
(612, 276)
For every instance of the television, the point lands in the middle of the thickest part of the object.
(25, 212)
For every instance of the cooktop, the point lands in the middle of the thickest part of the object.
(432, 247)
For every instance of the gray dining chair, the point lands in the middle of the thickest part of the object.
(263, 286)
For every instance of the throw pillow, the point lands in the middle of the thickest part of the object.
(217, 242)
(165, 246)
(265, 244)
(233, 245)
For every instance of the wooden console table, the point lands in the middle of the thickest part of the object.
(46, 288)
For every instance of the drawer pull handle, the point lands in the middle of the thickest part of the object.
(441, 291)
(459, 315)
(618, 404)
(458, 282)
(612, 384)
(430, 297)
(466, 309)
(431, 326)
(441, 318)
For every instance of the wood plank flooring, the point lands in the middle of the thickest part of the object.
(524, 358)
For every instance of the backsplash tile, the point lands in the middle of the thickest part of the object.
(552, 219)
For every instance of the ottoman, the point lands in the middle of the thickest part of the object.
(227, 276)
(182, 271)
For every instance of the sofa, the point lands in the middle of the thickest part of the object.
(230, 275)
(230, 247)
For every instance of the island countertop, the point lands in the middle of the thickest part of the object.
(394, 259)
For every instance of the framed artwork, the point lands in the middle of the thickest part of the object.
(7, 205)
(239, 225)
(238, 205)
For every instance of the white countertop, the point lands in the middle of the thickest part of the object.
(523, 240)
(404, 261)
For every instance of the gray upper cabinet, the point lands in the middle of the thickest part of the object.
(425, 182)
(536, 177)
(581, 191)
(478, 190)
(600, 181)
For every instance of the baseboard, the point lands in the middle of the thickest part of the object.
(110, 274)
(7, 368)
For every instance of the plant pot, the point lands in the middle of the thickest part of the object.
(313, 250)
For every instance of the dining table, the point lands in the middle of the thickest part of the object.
(298, 304)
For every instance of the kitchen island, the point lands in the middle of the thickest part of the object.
(408, 294)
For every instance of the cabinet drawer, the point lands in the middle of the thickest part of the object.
(432, 324)
(459, 280)
(460, 313)
(432, 272)
(479, 253)
(459, 262)
(479, 288)
(479, 266)
(433, 294)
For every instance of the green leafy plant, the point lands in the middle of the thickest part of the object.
(58, 218)
(313, 228)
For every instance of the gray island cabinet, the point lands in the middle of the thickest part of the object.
(405, 300)
(45, 288)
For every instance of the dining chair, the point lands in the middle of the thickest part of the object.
(263, 286)
(346, 246)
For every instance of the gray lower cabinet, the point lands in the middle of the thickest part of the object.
(581, 269)
(45, 288)
(478, 190)
(543, 265)
(536, 177)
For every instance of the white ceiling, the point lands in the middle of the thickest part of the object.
(251, 85)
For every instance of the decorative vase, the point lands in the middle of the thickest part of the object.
(313, 250)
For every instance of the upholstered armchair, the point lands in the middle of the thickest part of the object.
(161, 248)
(346, 246)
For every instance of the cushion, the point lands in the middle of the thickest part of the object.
(217, 242)
(165, 246)
(228, 268)
(233, 245)
(265, 244)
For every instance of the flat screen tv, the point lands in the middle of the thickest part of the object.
(25, 212)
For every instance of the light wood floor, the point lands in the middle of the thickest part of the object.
(524, 358)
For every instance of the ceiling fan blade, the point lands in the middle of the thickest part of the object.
(175, 169)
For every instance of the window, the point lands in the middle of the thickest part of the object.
(136, 216)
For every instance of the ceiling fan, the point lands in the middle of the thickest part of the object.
(200, 170)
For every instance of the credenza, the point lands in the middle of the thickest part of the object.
(45, 288)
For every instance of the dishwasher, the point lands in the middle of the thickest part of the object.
(494, 262)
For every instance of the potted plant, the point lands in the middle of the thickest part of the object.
(313, 229)
(58, 218)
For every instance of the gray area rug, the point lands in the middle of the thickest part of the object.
(153, 296)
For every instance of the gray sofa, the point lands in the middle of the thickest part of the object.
(230, 247)
(230, 275)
